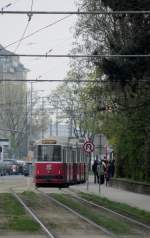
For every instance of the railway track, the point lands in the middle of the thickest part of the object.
(106, 231)
(33, 214)
(138, 229)
(72, 194)
(128, 218)
(76, 225)
(53, 205)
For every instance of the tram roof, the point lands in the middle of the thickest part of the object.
(58, 140)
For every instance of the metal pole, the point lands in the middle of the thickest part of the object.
(56, 122)
(50, 127)
(30, 134)
(99, 177)
(106, 151)
(42, 117)
(70, 131)
(87, 181)
(100, 165)
(26, 122)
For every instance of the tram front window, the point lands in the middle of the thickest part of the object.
(49, 153)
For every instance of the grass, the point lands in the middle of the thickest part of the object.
(9, 205)
(114, 225)
(23, 223)
(122, 208)
(31, 198)
(14, 216)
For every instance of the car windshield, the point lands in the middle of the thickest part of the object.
(49, 153)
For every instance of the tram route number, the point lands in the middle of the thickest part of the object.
(88, 146)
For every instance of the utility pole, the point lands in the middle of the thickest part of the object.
(30, 123)
(42, 117)
(56, 121)
(26, 122)
(100, 163)
(50, 127)
(42, 109)
(70, 126)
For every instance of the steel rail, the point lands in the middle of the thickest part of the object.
(48, 233)
(99, 12)
(109, 210)
(78, 214)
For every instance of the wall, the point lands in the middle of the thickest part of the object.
(137, 187)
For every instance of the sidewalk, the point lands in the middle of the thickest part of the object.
(138, 200)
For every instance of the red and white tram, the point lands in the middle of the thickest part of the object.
(59, 165)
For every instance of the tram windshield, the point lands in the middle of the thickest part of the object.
(49, 153)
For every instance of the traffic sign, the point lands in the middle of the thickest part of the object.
(88, 146)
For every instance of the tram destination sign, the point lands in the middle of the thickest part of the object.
(88, 146)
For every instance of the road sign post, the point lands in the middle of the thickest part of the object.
(88, 147)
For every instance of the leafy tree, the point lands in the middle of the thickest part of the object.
(125, 78)
(74, 100)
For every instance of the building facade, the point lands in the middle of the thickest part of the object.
(13, 97)
(4, 149)
(10, 66)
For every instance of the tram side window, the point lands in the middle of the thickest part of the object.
(82, 159)
(69, 154)
(83, 156)
(78, 155)
(39, 153)
(57, 153)
(64, 156)
(74, 156)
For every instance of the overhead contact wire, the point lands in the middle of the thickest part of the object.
(27, 25)
(37, 31)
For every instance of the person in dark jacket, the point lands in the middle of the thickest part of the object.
(112, 168)
(95, 170)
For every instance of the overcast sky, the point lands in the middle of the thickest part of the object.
(57, 38)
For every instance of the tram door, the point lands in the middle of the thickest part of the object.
(74, 159)
(65, 164)
(70, 164)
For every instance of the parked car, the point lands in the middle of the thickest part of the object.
(11, 166)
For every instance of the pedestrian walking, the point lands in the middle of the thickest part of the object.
(106, 170)
(112, 168)
(101, 172)
(95, 170)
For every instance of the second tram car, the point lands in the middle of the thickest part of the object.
(59, 165)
